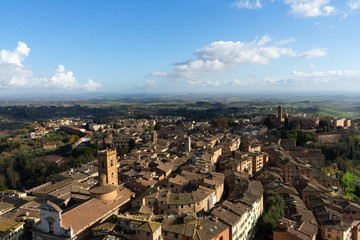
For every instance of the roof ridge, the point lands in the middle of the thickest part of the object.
(151, 229)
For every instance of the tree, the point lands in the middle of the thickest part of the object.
(13, 177)
(325, 126)
(268, 123)
(222, 122)
(132, 144)
(121, 151)
(286, 124)
(357, 191)
(158, 126)
(2, 183)
(73, 138)
(303, 138)
(202, 119)
(275, 206)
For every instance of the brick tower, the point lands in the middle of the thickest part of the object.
(154, 137)
(280, 113)
(107, 165)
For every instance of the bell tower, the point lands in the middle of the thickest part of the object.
(107, 165)
(154, 137)
(280, 112)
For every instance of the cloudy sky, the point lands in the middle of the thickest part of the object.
(164, 46)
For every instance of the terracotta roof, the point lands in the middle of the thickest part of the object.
(178, 225)
(210, 229)
(226, 216)
(4, 207)
(90, 212)
(103, 189)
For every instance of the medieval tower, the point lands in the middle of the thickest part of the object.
(107, 165)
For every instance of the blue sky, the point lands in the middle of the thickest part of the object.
(179, 46)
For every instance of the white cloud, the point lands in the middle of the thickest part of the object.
(354, 4)
(149, 84)
(334, 77)
(300, 8)
(61, 79)
(311, 66)
(13, 74)
(222, 55)
(249, 4)
(285, 41)
(239, 83)
(310, 8)
(314, 53)
(158, 74)
(91, 86)
(16, 56)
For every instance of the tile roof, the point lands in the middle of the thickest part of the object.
(226, 216)
(88, 213)
(149, 227)
(179, 226)
(7, 226)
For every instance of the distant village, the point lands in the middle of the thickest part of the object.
(169, 178)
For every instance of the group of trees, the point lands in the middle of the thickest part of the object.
(350, 183)
(20, 167)
(82, 156)
(301, 137)
(346, 154)
(121, 151)
(223, 122)
(325, 125)
(275, 209)
(26, 171)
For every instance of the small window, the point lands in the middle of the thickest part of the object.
(112, 175)
(148, 234)
(176, 235)
(112, 162)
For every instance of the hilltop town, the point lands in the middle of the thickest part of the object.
(170, 178)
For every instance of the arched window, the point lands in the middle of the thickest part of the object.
(103, 164)
(112, 162)
(112, 175)
(50, 221)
